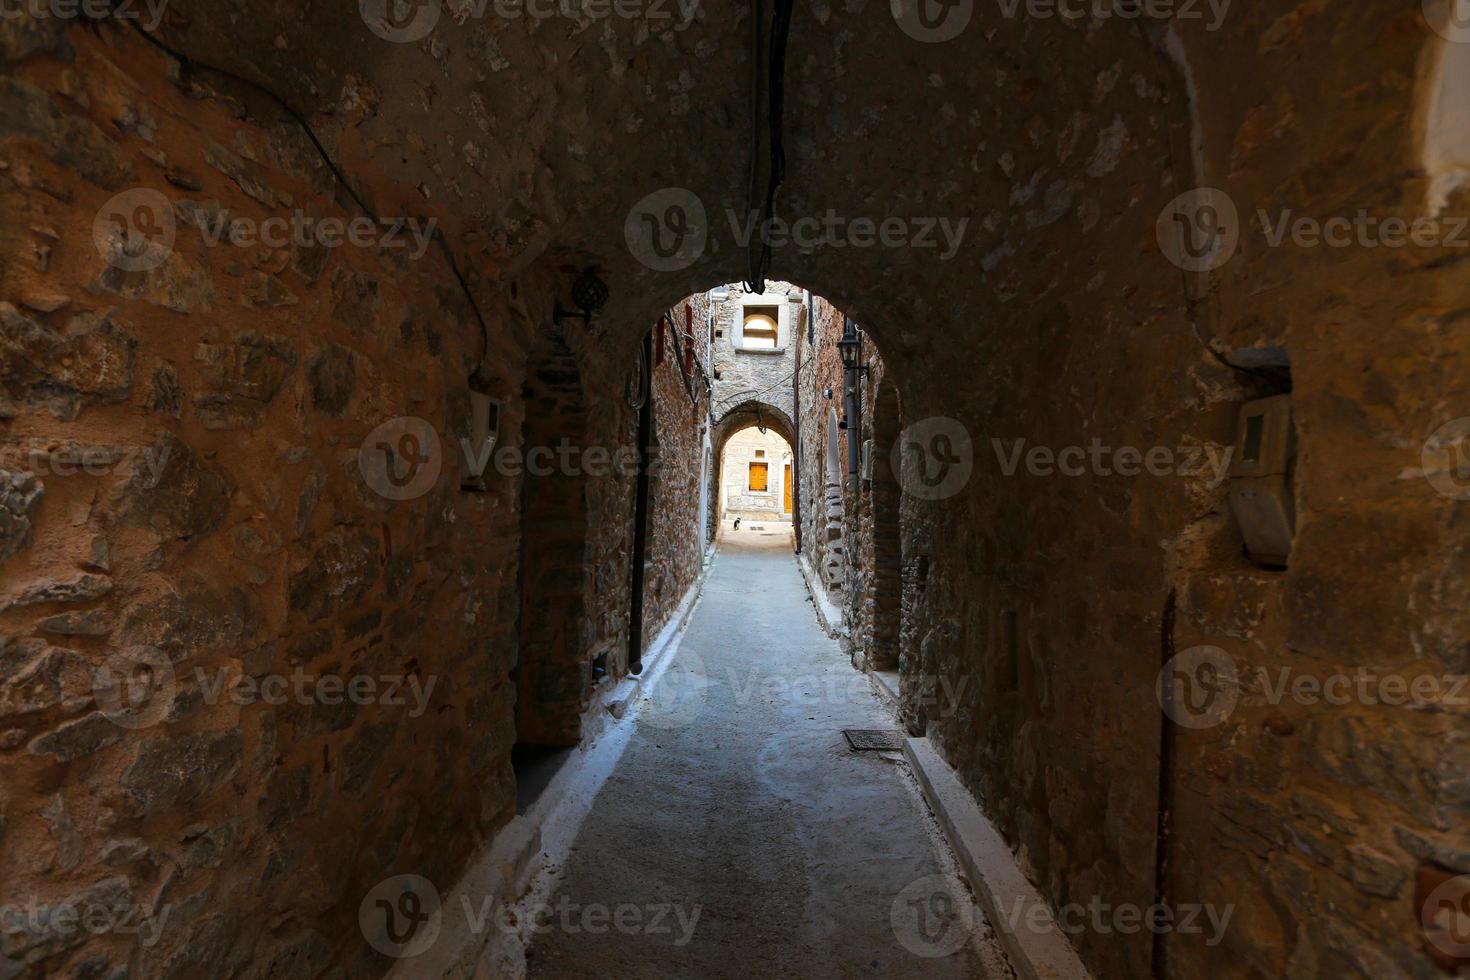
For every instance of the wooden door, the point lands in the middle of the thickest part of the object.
(786, 491)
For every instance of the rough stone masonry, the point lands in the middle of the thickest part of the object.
(180, 473)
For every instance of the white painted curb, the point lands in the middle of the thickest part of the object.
(827, 612)
(1021, 918)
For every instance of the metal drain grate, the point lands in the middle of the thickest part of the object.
(873, 740)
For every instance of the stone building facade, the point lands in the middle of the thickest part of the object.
(754, 340)
(850, 517)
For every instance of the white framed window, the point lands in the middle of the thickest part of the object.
(764, 324)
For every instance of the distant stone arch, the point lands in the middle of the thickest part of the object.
(745, 415)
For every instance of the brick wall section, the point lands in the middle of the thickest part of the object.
(557, 638)
(610, 497)
(851, 535)
(876, 593)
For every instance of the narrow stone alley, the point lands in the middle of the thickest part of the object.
(739, 809)
(467, 466)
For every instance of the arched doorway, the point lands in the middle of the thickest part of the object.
(773, 494)
(758, 477)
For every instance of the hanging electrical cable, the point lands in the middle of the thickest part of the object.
(756, 59)
(758, 254)
(188, 64)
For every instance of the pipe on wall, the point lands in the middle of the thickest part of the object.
(852, 400)
(796, 426)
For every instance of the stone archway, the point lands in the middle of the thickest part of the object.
(1050, 601)
(743, 416)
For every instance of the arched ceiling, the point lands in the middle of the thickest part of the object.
(1050, 147)
(534, 139)
(747, 415)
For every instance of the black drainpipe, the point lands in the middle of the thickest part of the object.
(640, 511)
(854, 408)
(796, 435)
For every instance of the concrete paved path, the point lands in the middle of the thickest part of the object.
(738, 837)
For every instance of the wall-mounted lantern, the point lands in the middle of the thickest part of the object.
(851, 348)
(589, 293)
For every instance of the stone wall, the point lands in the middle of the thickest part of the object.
(681, 423)
(200, 556)
(225, 534)
(743, 376)
(1292, 806)
(851, 532)
(1047, 603)
(874, 592)
(825, 530)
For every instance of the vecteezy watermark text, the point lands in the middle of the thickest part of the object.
(941, 693)
(1101, 460)
(139, 687)
(87, 10)
(1363, 230)
(136, 230)
(1201, 687)
(403, 916)
(669, 230)
(407, 21)
(831, 230)
(403, 458)
(1200, 230)
(307, 231)
(94, 916)
(92, 459)
(1212, 11)
(1104, 918)
(300, 687)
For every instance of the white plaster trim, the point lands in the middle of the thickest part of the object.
(999, 886)
(828, 615)
(886, 684)
(782, 303)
